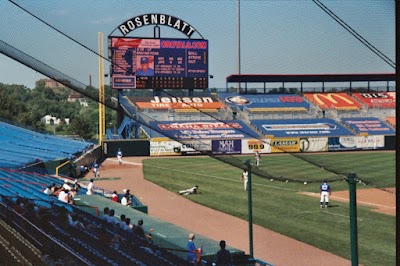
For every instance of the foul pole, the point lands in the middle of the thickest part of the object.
(102, 114)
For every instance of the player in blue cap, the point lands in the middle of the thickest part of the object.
(325, 191)
(145, 70)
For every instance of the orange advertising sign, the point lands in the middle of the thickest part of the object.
(158, 102)
(341, 101)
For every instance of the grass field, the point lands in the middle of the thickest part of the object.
(278, 207)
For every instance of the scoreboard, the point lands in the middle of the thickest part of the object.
(140, 63)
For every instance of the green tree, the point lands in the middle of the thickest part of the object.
(80, 126)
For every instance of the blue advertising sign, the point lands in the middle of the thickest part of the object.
(301, 127)
(264, 100)
(232, 146)
(369, 125)
(187, 130)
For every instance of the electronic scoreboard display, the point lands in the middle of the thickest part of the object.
(139, 63)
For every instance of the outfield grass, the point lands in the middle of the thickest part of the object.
(278, 207)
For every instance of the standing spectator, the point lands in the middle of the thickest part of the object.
(96, 170)
(114, 197)
(193, 253)
(90, 188)
(223, 257)
(119, 156)
(325, 192)
(245, 179)
(258, 158)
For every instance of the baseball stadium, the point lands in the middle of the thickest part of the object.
(292, 161)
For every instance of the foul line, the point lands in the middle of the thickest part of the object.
(341, 215)
(222, 178)
(124, 162)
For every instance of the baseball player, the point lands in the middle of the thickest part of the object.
(245, 179)
(119, 156)
(325, 192)
(96, 170)
(258, 157)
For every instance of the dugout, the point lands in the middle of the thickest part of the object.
(305, 78)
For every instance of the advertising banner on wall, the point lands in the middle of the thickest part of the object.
(165, 148)
(264, 100)
(339, 101)
(193, 130)
(313, 144)
(285, 145)
(253, 145)
(322, 127)
(369, 125)
(233, 146)
(356, 143)
(166, 102)
(195, 147)
(378, 99)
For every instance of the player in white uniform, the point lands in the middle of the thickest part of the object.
(119, 156)
(258, 158)
(245, 179)
(325, 191)
(192, 190)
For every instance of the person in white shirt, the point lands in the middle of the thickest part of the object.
(63, 196)
(90, 188)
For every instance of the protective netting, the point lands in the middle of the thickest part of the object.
(73, 56)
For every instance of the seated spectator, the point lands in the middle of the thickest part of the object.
(189, 191)
(19, 206)
(106, 210)
(111, 218)
(74, 222)
(139, 231)
(114, 197)
(48, 190)
(56, 189)
(67, 185)
(64, 196)
(127, 226)
(122, 221)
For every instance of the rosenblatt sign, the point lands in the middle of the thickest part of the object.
(156, 19)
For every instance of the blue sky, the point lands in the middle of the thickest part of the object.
(277, 36)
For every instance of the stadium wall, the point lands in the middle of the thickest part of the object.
(128, 147)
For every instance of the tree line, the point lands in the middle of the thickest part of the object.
(26, 107)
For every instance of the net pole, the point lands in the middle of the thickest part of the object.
(250, 208)
(353, 219)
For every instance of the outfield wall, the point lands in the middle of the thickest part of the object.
(168, 147)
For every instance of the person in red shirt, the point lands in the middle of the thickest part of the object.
(114, 196)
